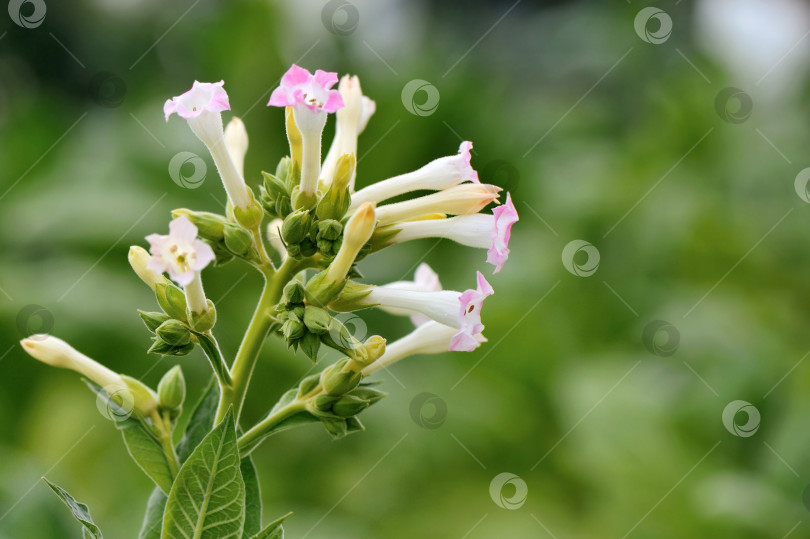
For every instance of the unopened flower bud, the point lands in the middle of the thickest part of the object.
(165, 349)
(138, 259)
(310, 343)
(293, 329)
(174, 333)
(293, 137)
(337, 199)
(237, 239)
(308, 384)
(171, 299)
(295, 227)
(329, 229)
(152, 319)
(368, 393)
(336, 382)
(317, 319)
(357, 232)
(375, 348)
(348, 405)
(210, 226)
(294, 292)
(324, 402)
(172, 389)
(236, 141)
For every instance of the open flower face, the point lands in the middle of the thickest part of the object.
(299, 88)
(470, 334)
(203, 96)
(505, 216)
(180, 253)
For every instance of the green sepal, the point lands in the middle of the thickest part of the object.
(349, 405)
(310, 343)
(165, 349)
(152, 320)
(174, 333)
(172, 300)
(308, 384)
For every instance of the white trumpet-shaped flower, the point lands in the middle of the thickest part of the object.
(236, 141)
(461, 199)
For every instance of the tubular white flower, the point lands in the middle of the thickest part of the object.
(351, 120)
(358, 231)
(236, 141)
(57, 353)
(470, 230)
(429, 338)
(424, 280)
(439, 174)
(139, 259)
(195, 295)
(458, 200)
(202, 108)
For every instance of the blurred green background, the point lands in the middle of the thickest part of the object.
(620, 137)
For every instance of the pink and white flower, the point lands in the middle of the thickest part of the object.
(183, 256)
(464, 199)
(489, 232)
(424, 280)
(437, 175)
(428, 338)
(311, 98)
(460, 310)
(202, 108)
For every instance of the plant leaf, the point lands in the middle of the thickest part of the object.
(201, 421)
(79, 510)
(207, 499)
(147, 452)
(274, 530)
(253, 498)
(153, 519)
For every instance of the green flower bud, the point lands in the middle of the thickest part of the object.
(349, 405)
(293, 329)
(329, 229)
(294, 292)
(172, 390)
(283, 168)
(237, 239)
(174, 333)
(310, 344)
(152, 320)
(209, 225)
(295, 227)
(374, 347)
(308, 248)
(317, 320)
(283, 206)
(143, 398)
(171, 299)
(368, 393)
(344, 170)
(337, 199)
(165, 349)
(205, 320)
(325, 248)
(324, 402)
(251, 215)
(299, 311)
(336, 382)
(336, 427)
(308, 384)
(353, 425)
(274, 186)
(321, 291)
(294, 250)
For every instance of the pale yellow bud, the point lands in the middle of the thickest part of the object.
(138, 259)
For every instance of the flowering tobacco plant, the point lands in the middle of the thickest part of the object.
(317, 228)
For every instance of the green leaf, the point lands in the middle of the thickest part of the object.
(253, 498)
(79, 510)
(201, 421)
(274, 530)
(141, 443)
(153, 519)
(147, 452)
(207, 500)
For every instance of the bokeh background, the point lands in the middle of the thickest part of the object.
(602, 392)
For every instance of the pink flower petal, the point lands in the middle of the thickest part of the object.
(182, 229)
(334, 102)
(468, 173)
(183, 279)
(169, 108)
(295, 76)
(325, 79)
(299, 88)
(205, 255)
(505, 216)
(210, 96)
(281, 97)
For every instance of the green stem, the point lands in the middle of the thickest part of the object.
(165, 437)
(249, 440)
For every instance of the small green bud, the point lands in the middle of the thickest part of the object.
(293, 329)
(336, 382)
(308, 248)
(283, 168)
(308, 384)
(299, 311)
(143, 398)
(329, 229)
(165, 349)
(294, 250)
(353, 425)
(295, 227)
(310, 344)
(321, 291)
(152, 320)
(294, 292)
(336, 427)
(237, 239)
(348, 405)
(374, 347)
(283, 206)
(368, 393)
(324, 402)
(344, 170)
(171, 299)
(209, 225)
(172, 390)
(174, 333)
(325, 248)
(335, 203)
(251, 215)
(205, 320)
(274, 186)
(317, 319)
